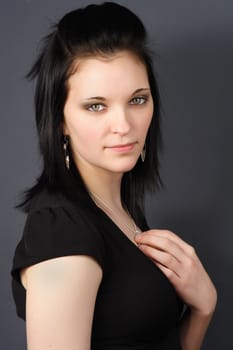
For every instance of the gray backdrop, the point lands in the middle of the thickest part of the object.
(194, 42)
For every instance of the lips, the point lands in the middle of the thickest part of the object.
(123, 145)
(126, 147)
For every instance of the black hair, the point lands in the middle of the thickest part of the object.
(102, 29)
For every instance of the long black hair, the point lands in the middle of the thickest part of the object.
(102, 29)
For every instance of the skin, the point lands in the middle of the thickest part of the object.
(179, 262)
(121, 116)
(95, 125)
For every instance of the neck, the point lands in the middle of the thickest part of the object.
(105, 189)
(104, 184)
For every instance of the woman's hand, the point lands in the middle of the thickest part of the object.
(179, 262)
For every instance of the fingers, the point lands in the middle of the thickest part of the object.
(171, 275)
(162, 243)
(162, 258)
(169, 252)
(167, 237)
(180, 264)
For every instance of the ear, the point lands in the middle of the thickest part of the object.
(64, 129)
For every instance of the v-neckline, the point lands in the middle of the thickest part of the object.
(145, 258)
(116, 227)
(134, 246)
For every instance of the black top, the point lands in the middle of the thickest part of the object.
(136, 306)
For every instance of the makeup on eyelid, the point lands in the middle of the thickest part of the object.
(97, 103)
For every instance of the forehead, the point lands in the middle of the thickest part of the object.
(122, 71)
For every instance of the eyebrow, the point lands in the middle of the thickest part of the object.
(104, 99)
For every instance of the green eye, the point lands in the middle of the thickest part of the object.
(95, 107)
(140, 100)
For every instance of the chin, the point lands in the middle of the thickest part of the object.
(124, 168)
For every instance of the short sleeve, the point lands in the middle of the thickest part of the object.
(51, 233)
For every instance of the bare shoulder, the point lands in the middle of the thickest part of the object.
(56, 269)
(60, 301)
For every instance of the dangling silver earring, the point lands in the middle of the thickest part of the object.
(66, 151)
(143, 153)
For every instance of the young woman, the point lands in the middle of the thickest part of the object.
(88, 272)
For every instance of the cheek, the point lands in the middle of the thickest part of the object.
(84, 135)
(144, 120)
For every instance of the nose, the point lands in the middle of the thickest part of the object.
(120, 122)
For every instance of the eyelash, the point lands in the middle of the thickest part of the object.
(144, 98)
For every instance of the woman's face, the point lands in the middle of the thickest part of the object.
(107, 113)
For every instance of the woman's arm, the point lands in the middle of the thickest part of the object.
(193, 327)
(179, 262)
(60, 302)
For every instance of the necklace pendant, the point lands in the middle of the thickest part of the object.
(137, 231)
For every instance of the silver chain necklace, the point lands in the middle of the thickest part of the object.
(97, 199)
